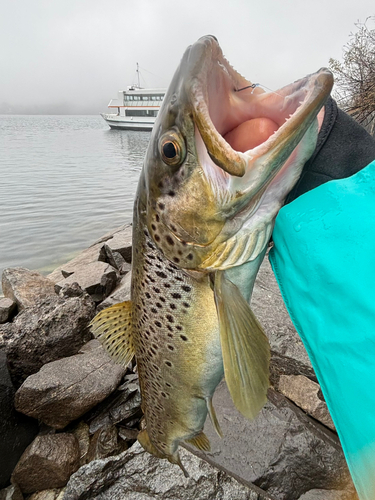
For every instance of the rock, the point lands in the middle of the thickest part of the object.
(282, 451)
(16, 430)
(7, 309)
(82, 434)
(120, 294)
(47, 463)
(54, 494)
(104, 443)
(54, 328)
(289, 357)
(98, 279)
(116, 260)
(137, 475)
(13, 492)
(326, 495)
(25, 287)
(66, 389)
(305, 394)
(87, 256)
(119, 241)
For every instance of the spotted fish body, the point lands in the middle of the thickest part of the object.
(176, 343)
(203, 215)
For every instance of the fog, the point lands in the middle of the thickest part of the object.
(73, 56)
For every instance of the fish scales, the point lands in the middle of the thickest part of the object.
(176, 342)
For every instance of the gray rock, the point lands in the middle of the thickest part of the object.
(122, 407)
(120, 241)
(13, 492)
(283, 451)
(98, 279)
(120, 294)
(47, 463)
(87, 256)
(81, 432)
(64, 390)
(16, 430)
(7, 309)
(25, 287)
(289, 356)
(54, 328)
(327, 495)
(54, 494)
(137, 475)
(104, 443)
(116, 260)
(305, 394)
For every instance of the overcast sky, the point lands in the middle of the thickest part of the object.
(81, 52)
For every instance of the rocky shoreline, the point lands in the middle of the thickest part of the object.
(70, 416)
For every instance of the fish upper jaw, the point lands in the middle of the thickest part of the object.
(219, 187)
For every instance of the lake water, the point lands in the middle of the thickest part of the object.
(65, 181)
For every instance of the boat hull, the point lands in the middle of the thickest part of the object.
(128, 122)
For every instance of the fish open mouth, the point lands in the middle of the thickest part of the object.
(239, 124)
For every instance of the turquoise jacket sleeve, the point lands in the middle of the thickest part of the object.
(324, 262)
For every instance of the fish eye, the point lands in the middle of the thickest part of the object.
(172, 149)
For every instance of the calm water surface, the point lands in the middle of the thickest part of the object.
(64, 182)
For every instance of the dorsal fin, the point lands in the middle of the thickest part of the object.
(113, 328)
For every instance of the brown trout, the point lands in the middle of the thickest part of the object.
(207, 198)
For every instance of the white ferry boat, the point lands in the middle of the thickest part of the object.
(137, 107)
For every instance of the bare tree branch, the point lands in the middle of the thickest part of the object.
(355, 76)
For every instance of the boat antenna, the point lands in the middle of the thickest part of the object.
(139, 83)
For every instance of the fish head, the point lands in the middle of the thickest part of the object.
(223, 156)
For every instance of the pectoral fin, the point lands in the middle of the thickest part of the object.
(113, 328)
(213, 417)
(200, 441)
(245, 347)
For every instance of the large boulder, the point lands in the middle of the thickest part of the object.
(66, 389)
(137, 475)
(25, 287)
(47, 463)
(16, 430)
(283, 451)
(55, 327)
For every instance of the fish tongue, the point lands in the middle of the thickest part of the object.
(250, 134)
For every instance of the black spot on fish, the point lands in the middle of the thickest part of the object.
(169, 240)
(170, 318)
(159, 305)
(153, 227)
(161, 274)
(176, 259)
(168, 363)
(172, 306)
(167, 285)
(157, 217)
(186, 288)
(170, 347)
(148, 295)
(157, 237)
(156, 290)
(179, 328)
(184, 338)
(157, 323)
(176, 296)
(162, 299)
(161, 206)
(185, 304)
(150, 245)
(153, 310)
